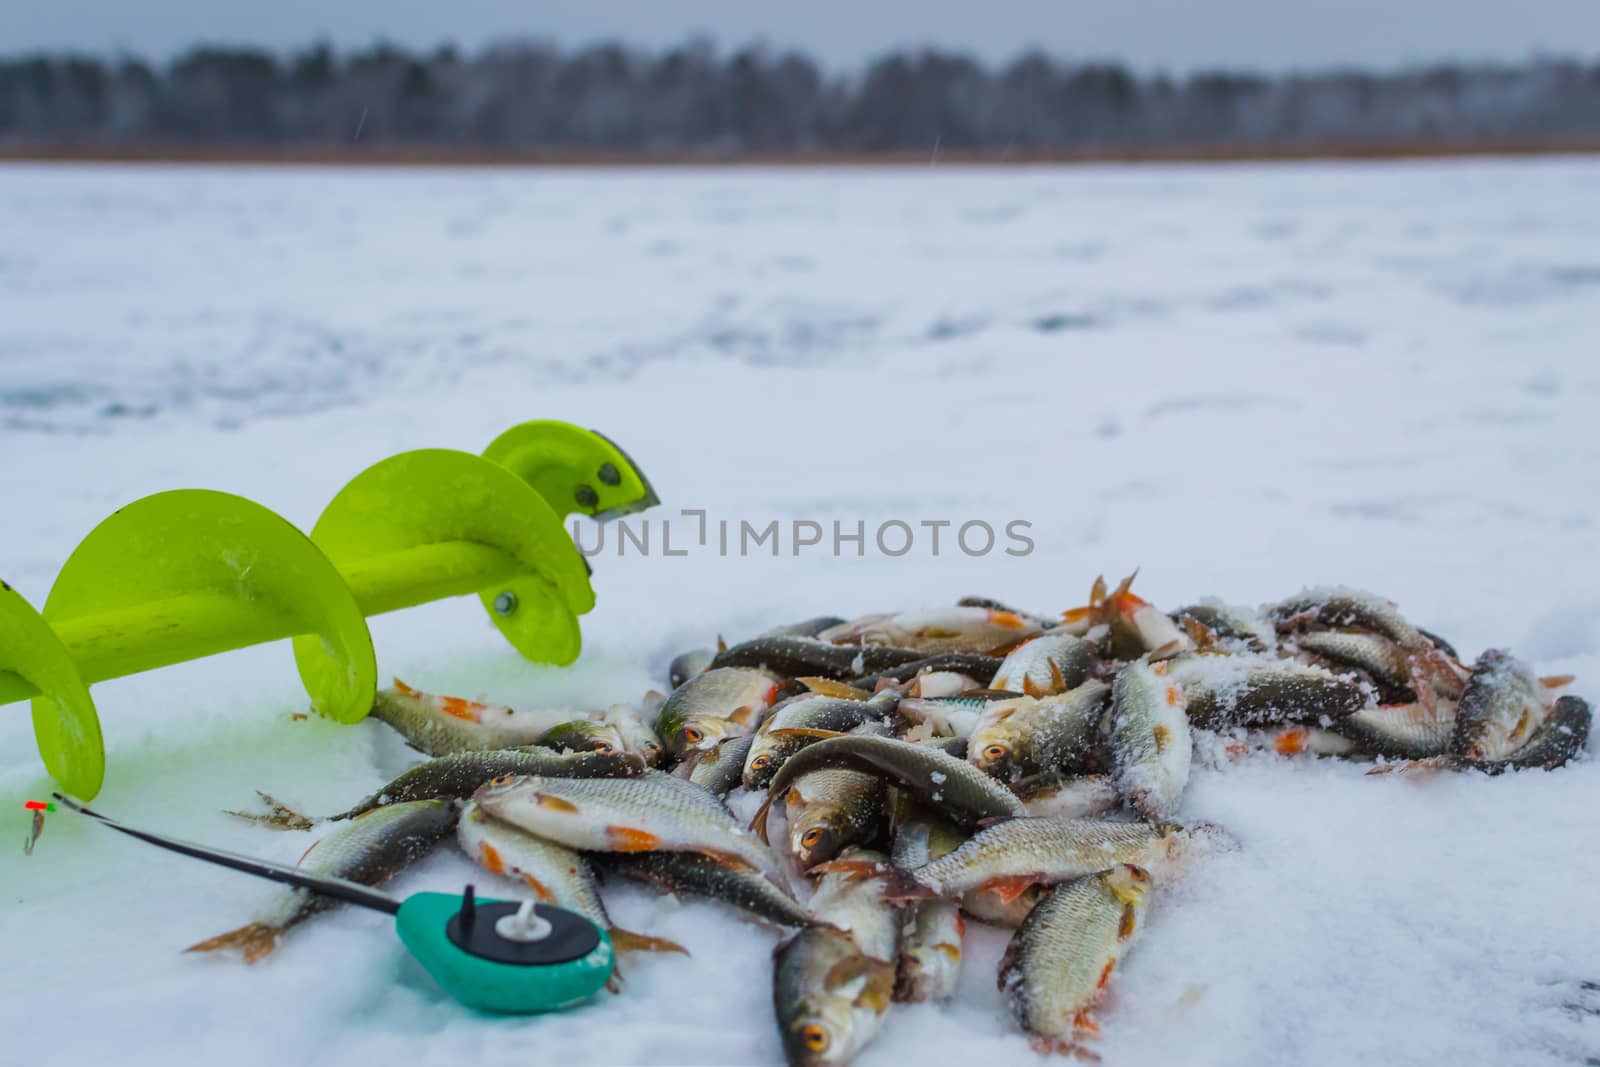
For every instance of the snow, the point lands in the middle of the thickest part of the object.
(1244, 380)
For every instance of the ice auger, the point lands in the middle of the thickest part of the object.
(192, 572)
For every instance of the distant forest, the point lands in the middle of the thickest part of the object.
(696, 100)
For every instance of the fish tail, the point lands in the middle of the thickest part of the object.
(1063, 1046)
(253, 941)
(629, 941)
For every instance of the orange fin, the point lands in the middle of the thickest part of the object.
(742, 714)
(758, 822)
(629, 839)
(253, 942)
(540, 890)
(1009, 888)
(405, 690)
(628, 941)
(555, 803)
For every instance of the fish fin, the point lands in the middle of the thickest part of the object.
(1062, 1046)
(1556, 681)
(1009, 888)
(722, 646)
(614, 983)
(805, 731)
(901, 885)
(1293, 741)
(1203, 636)
(1083, 1021)
(742, 714)
(630, 839)
(540, 890)
(1126, 925)
(830, 687)
(405, 690)
(994, 820)
(555, 803)
(253, 941)
(878, 993)
(628, 941)
(1058, 681)
(462, 708)
(489, 859)
(1033, 689)
(758, 822)
(1428, 766)
(1009, 619)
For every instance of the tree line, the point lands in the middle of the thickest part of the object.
(532, 96)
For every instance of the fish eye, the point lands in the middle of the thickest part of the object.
(504, 779)
(604, 748)
(810, 838)
(994, 752)
(693, 734)
(814, 1037)
(761, 763)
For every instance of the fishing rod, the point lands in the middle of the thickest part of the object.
(516, 957)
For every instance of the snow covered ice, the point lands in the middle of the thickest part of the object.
(1243, 380)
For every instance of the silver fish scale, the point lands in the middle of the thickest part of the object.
(1054, 848)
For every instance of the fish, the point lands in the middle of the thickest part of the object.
(584, 735)
(805, 627)
(369, 850)
(653, 813)
(1250, 691)
(1563, 735)
(1400, 731)
(854, 899)
(1059, 961)
(788, 729)
(831, 809)
(687, 665)
(1079, 796)
(998, 605)
(1025, 736)
(930, 939)
(981, 668)
(718, 769)
(797, 657)
(1296, 740)
(919, 718)
(1501, 708)
(1229, 626)
(935, 684)
(633, 723)
(1049, 664)
(1009, 859)
(957, 789)
(1134, 626)
(1151, 746)
(456, 777)
(829, 997)
(693, 874)
(1347, 609)
(959, 629)
(1385, 661)
(442, 725)
(722, 702)
(556, 875)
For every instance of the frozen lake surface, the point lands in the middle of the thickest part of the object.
(1243, 380)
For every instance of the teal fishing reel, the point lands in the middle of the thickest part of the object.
(503, 956)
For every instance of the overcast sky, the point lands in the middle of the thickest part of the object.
(1174, 34)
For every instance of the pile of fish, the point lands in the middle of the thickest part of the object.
(929, 766)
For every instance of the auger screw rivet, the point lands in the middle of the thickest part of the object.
(505, 603)
(610, 475)
(587, 497)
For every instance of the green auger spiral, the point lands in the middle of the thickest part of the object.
(191, 572)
